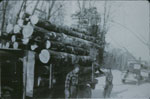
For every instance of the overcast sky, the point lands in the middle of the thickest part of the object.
(131, 19)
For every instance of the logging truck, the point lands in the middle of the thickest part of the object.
(36, 55)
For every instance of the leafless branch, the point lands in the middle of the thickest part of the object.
(50, 8)
(57, 10)
(35, 6)
(21, 8)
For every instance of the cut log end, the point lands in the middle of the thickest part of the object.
(13, 38)
(17, 29)
(33, 47)
(15, 45)
(44, 56)
(20, 22)
(9, 28)
(48, 44)
(34, 19)
(25, 41)
(27, 31)
(7, 45)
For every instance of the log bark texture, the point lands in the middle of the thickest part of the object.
(66, 30)
(66, 39)
(57, 46)
(66, 57)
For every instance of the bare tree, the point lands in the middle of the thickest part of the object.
(22, 7)
(51, 3)
(57, 16)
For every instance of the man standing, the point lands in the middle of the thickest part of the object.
(71, 83)
(109, 85)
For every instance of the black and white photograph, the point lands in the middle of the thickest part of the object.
(74, 49)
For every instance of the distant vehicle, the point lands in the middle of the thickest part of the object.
(129, 77)
(133, 73)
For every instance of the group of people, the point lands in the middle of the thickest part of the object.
(71, 83)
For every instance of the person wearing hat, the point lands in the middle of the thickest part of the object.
(71, 83)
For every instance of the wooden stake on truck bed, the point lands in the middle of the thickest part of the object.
(30, 73)
(24, 76)
(50, 76)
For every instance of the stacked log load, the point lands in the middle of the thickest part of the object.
(58, 45)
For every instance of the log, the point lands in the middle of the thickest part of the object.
(27, 30)
(19, 45)
(44, 34)
(34, 46)
(13, 38)
(25, 41)
(3, 44)
(57, 46)
(81, 31)
(51, 27)
(15, 45)
(47, 44)
(9, 28)
(7, 44)
(34, 19)
(17, 29)
(61, 37)
(44, 57)
(20, 22)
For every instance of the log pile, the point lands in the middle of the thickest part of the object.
(50, 42)
(34, 34)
